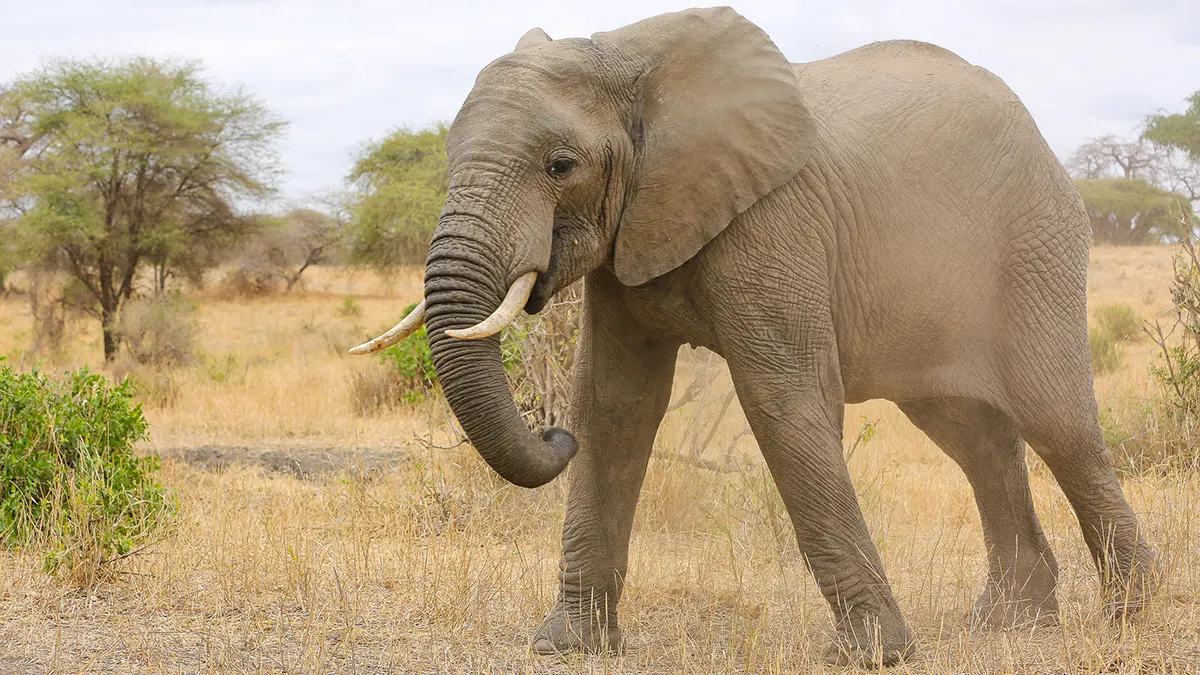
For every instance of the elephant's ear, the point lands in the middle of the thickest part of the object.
(719, 123)
(532, 38)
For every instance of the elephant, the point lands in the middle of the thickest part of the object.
(886, 223)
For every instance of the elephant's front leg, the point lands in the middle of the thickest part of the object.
(796, 416)
(622, 386)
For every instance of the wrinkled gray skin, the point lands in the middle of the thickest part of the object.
(886, 223)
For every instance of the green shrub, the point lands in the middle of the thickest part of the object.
(70, 483)
(411, 362)
(156, 388)
(1105, 356)
(1168, 428)
(405, 375)
(1118, 321)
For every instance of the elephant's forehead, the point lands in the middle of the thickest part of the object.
(548, 89)
(560, 65)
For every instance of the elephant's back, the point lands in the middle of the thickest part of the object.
(900, 54)
(902, 82)
(958, 208)
(904, 118)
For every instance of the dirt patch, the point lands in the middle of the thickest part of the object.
(301, 462)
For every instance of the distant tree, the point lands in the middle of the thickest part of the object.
(1105, 156)
(1127, 211)
(284, 247)
(400, 183)
(127, 165)
(1135, 191)
(1179, 130)
(14, 143)
(7, 256)
(1178, 138)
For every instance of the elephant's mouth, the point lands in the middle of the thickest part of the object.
(542, 291)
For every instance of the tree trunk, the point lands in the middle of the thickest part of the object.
(108, 326)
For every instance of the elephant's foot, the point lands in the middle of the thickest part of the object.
(999, 608)
(1019, 594)
(1131, 591)
(871, 642)
(566, 631)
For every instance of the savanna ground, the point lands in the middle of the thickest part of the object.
(314, 539)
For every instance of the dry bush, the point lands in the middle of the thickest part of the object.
(375, 390)
(538, 355)
(158, 331)
(250, 280)
(1106, 357)
(1115, 324)
(1118, 321)
(279, 251)
(159, 388)
(51, 314)
(704, 411)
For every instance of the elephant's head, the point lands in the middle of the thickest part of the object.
(632, 149)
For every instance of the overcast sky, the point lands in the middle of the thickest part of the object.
(343, 72)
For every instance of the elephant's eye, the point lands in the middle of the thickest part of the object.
(560, 167)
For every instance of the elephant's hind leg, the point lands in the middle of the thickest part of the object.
(1066, 435)
(1048, 378)
(983, 441)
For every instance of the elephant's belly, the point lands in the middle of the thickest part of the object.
(897, 381)
(918, 353)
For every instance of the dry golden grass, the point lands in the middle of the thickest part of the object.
(438, 566)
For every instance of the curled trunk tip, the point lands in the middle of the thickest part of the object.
(559, 447)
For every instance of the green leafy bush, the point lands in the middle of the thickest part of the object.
(69, 480)
(1118, 321)
(405, 374)
(412, 363)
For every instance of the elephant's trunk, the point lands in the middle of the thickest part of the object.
(462, 288)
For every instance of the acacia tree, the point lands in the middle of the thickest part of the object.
(1104, 156)
(1126, 211)
(1134, 190)
(131, 164)
(400, 183)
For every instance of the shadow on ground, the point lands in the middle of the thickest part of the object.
(301, 462)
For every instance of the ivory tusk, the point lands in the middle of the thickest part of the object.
(514, 301)
(407, 326)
